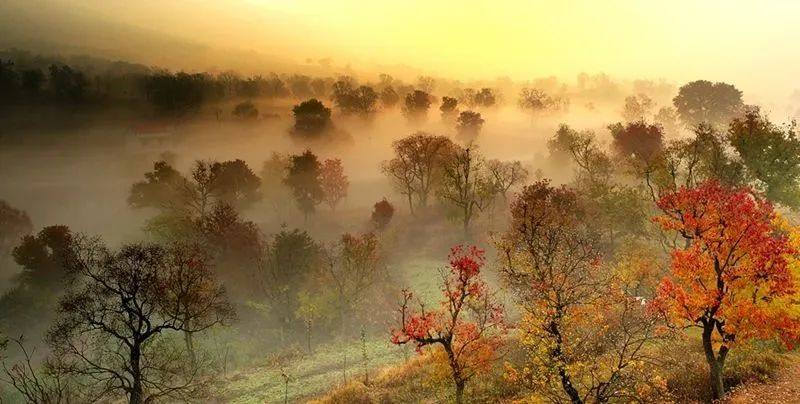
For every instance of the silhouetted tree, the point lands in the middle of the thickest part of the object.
(234, 183)
(67, 84)
(389, 97)
(245, 110)
(416, 105)
(702, 101)
(638, 140)
(416, 169)
(300, 86)
(466, 185)
(469, 124)
(382, 213)
(485, 98)
(449, 108)
(161, 188)
(303, 178)
(176, 94)
(118, 308)
(287, 260)
(14, 224)
(311, 118)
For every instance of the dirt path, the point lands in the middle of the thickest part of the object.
(784, 389)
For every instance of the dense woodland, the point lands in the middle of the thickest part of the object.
(648, 253)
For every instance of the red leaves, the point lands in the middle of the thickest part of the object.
(733, 267)
(463, 323)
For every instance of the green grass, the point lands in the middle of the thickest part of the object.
(314, 374)
(310, 374)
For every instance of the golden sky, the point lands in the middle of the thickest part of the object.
(750, 43)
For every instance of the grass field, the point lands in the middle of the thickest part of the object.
(313, 374)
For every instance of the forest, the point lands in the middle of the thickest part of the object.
(213, 236)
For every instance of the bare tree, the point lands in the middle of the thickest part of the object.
(466, 184)
(416, 167)
(113, 321)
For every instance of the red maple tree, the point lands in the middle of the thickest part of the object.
(732, 275)
(469, 324)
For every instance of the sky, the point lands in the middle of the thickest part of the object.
(751, 43)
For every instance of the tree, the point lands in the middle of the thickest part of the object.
(689, 162)
(353, 269)
(273, 188)
(426, 83)
(231, 182)
(382, 214)
(288, 258)
(303, 177)
(366, 101)
(44, 258)
(234, 183)
(667, 119)
(468, 326)
(637, 140)
(449, 108)
(234, 245)
(731, 280)
(586, 330)
(350, 99)
(389, 97)
(14, 224)
(416, 168)
(67, 85)
(32, 81)
(245, 110)
(537, 101)
(469, 124)
(466, 185)
(506, 175)
(176, 94)
(416, 105)
(485, 98)
(771, 155)
(333, 182)
(702, 101)
(311, 119)
(637, 108)
(300, 86)
(118, 308)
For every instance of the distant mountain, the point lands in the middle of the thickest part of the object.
(50, 27)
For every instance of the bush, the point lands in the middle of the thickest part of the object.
(351, 393)
(686, 370)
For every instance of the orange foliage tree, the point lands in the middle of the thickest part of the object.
(469, 324)
(732, 276)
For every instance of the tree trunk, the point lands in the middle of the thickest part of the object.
(189, 340)
(558, 355)
(308, 335)
(716, 361)
(455, 370)
(460, 392)
(136, 393)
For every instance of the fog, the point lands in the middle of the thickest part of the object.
(274, 185)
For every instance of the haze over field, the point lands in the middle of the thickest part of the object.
(406, 202)
(678, 41)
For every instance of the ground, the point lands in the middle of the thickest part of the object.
(784, 389)
(311, 375)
